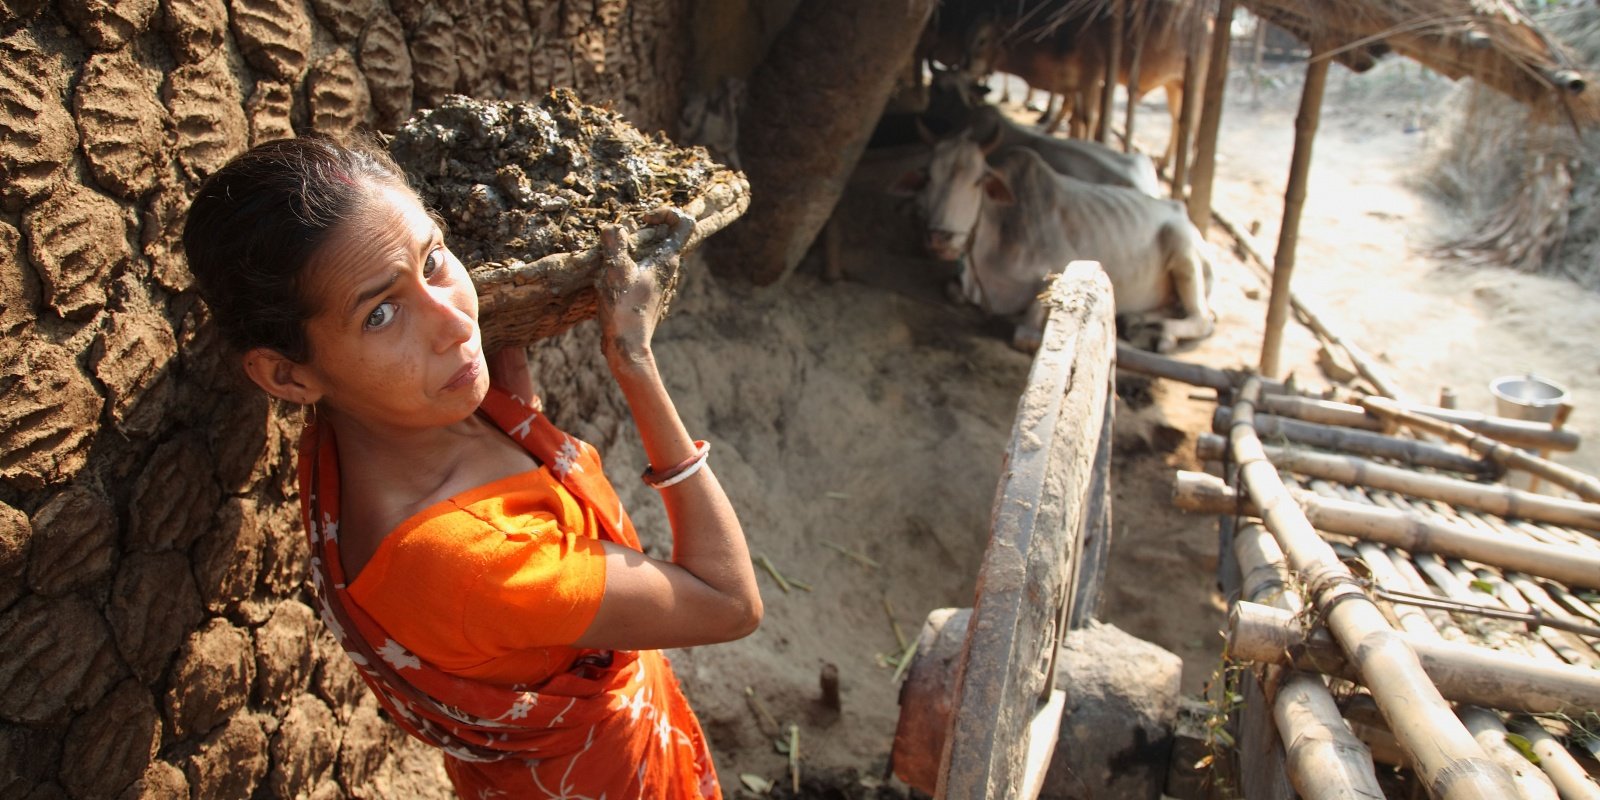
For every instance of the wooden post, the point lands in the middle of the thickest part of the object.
(834, 64)
(1092, 556)
(1294, 201)
(1192, 64)
(1102, 129)
(1205, 157)
(1258, 51)
(1136, 35)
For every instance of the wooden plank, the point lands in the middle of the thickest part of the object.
(1093, 552)
(1023, 582)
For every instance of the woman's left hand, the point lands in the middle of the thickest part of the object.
(509, 372)
(631, 295)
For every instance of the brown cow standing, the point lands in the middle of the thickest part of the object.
(1070, 60)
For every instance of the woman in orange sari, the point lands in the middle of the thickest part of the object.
(470, 557)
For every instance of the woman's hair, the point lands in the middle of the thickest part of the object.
(256, 224)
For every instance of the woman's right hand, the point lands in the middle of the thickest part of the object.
(631, 293)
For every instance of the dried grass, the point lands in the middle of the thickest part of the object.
(1524, 185)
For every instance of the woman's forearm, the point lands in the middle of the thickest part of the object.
(708, 541)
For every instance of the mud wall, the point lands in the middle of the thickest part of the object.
(156, 635)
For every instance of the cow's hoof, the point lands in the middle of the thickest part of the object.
(1028, 341)
(1166, 343)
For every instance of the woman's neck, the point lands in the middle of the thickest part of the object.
(411, 462)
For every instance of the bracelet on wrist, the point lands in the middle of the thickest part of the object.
(678, 472)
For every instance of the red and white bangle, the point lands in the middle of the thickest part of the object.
(681, 471)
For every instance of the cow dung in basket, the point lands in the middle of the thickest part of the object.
(524, 187)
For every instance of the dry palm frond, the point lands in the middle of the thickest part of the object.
(1491, 41)
(1523, 184)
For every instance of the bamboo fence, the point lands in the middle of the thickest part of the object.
(1464, 610)
(1453, 621)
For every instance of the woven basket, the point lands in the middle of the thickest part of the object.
(521, 302)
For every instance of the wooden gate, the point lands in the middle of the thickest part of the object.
(980, 712)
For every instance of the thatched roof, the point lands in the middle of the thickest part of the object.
(1491, 41)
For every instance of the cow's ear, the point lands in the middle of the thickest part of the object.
(996, 189)
(909, 184)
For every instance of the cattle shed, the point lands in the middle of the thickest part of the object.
(1493, 42)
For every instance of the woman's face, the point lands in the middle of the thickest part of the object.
(394, 339)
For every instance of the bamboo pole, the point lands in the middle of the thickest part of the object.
(1365, 364)
(1450, 763)
(1258, 50)
(1102, 130)
(1516, 432)
(1324, 412)
(1553, 624)
(1585, 486)
(1205, 158)
(1132, 359)
(1492, 498)
(1487, 727)
(1544, 435)
(1192, 80)
(1203, 493)
(1380, 742)
(1324, 759)
(1570, 779)
(1414, 620)
(1411, 452)
(1464, 673)
(1136, 34)
(1294, 201)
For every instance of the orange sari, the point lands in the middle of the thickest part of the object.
(586, 723)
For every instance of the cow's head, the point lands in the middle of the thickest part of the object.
(952, 190)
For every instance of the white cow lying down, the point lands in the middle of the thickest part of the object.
(1018, 223)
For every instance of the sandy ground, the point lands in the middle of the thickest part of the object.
(871, 415)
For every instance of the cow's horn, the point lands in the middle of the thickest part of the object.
(922, 131)
(988, 145)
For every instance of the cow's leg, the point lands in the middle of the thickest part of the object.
(1189, 270)
(1083, 105)
(1049, 108)
(1055, 122)
(1175, 108)
(1029, 333)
